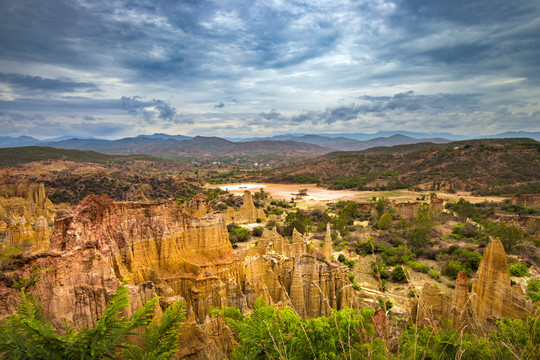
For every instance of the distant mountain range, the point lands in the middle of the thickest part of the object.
(282, 147)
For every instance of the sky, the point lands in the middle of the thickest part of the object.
(116, 68)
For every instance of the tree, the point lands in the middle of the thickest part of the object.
(398, 274)
(29, 334)
(385, 222)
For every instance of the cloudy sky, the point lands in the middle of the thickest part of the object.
(119, 68)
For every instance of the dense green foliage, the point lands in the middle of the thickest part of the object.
(518, 269)
(515, 339)
(29, 334)
(385, 222)
(533, 290)
(269, 333)
(238, 234)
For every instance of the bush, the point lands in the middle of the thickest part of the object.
(396, 255)
(398, 274)
(418, 266)
(349, 263)
(533, 290)
(238, 234)
(467, 230)
(257, 231)
(510, 235)
(389, 304)
(452, 267)
(341, 258)
(379, 270)
(351, 277)
(385, 222)
(518, 269)
(434, 274)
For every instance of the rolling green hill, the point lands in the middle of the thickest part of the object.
(23, 155)
(491, 166)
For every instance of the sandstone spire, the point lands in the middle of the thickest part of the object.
(298, 244)
(493, 294)
(41, 241)
(247, 213)
(327, 245)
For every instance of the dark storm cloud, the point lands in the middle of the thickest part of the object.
(407, 102)
(28, 84)
(270, 52)
(158, 108)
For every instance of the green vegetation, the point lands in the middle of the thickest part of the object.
(514, 339)
(238, 234)
(23, 155)
(29, 334)
(518, 269)
(398, 274)
(533, 290)
(508, 161)
(269, 333)
(385, 222)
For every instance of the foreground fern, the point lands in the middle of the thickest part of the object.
(29, 335)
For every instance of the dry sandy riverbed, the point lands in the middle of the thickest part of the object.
(317, 196)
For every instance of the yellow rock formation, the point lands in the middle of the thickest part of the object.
(327, 245)
(492, 296)
(22, 205)
(247, 213)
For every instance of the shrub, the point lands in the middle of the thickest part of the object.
(434, 274)
(351, 277)
(452, 267)
(385, 221)
(389, 304)
(349, 263)
(396, 255)
(518, 269)
(238, 234)
(341, 258)
(257, 231)
(418, 266)
(471, 259)
(533, 290)
(398, 274)
(379, 270)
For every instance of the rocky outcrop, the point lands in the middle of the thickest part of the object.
(297, 275)
(198, 206)
(492, 296)
(526, 200)
(406, 210)
(22, 205)
(247, 213)
(181, 254)
(162, 249)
